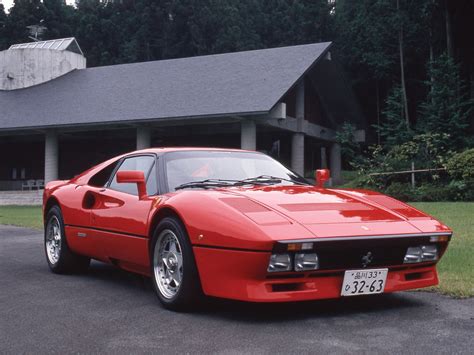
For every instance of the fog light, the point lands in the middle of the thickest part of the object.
(305, 261)
(421, 253)
(279, 262)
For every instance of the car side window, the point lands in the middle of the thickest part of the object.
(101, 178)
(151, 182)
(141, 163)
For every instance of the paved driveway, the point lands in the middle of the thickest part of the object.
(112, 311)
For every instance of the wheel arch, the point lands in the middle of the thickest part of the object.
(163, 212)
(50, 202)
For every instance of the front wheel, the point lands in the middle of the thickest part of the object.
(58, 255)
(175, 277)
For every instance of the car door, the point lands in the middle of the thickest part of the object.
(121, 218)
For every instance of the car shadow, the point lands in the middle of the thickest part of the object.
(213, 308)
(282, 312)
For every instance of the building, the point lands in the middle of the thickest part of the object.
(58, 117)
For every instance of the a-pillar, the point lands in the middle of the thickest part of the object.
(248, 135)
(335, 164)
(143, 137)
(297, 141)
(51, 153)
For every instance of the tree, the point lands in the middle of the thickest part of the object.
(345, 136)
(394, 129)
(402, 63)
(3, 23)
(23, 13)
(446, 109)
(58, 19)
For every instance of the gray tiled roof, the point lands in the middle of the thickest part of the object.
(222, 84)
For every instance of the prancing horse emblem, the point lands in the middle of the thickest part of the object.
(367, 259)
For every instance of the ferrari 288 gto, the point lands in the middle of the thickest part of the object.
(237, 224)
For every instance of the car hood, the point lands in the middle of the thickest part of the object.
(328, 212)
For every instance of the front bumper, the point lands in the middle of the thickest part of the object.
(241, 275)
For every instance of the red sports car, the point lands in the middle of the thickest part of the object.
(237, 224)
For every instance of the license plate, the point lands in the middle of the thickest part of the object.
(363, 282)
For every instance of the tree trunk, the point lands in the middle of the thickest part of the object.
(377, 95)
(449, 34)
(402, 68)
(431, 54)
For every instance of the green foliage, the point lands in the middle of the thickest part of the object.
(445, 109)
(345, 136)
(461, 166)
(400, 191)
(3, 20)
(430, 192)
(112, 32)
(366, 37)
(394, 129)
(428, 151)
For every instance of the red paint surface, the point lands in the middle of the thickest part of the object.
(117, 228)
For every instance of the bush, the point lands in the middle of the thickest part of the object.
(400, 191)
(428, 192)
(461, 166)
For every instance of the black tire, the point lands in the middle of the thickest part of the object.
(189, 293)
(66, 262)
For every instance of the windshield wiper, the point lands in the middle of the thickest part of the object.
(269, 179)
(206, 183)
(257, 180)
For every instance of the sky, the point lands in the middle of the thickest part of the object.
(8, 3)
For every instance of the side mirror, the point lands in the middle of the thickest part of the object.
(133, 177)
(322, 175)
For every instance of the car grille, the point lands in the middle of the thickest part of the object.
(356, 254)
(359, 257)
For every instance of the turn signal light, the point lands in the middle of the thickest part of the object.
(299, 246)
(439, 238)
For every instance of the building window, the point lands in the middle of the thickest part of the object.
(14, 174)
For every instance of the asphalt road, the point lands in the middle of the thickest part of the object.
(112, 311)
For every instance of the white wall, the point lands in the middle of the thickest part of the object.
(25, 67)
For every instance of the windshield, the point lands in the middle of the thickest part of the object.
(196, 166)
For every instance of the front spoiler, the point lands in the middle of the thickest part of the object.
(241, 275)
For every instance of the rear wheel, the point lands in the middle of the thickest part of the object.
(58, 255)
(175, 277)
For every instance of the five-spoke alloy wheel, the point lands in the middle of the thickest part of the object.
(168, 263)
(58, 255)
(53, 240)
(173, 268)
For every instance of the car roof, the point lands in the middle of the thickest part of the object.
(179, 149)
(86, 175)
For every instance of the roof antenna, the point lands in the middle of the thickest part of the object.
(36, 31)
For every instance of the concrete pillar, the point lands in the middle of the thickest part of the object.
(143, 137)
(299, 102)
(297, 153)
(324, 161)
(297, 141)
(248, 135)
(335, 163)
(51, 153)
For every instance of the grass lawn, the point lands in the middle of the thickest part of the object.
(456, 269)
(24, 216)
